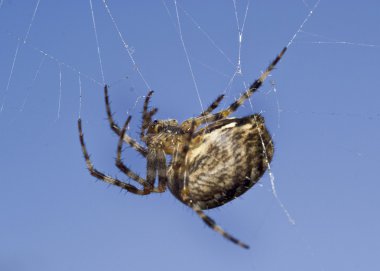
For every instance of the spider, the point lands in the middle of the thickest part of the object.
(214, 159)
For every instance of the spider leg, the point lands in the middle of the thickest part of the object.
(147, 119)
(180, 159)
(101, 176)
(147, 116)
(211, 223)
(161, 169)
(151, 165)
(252, 89)
(133, 143)
(212, 106)
(122, 166)
(205, 113)
(234, 106)
(199, 120)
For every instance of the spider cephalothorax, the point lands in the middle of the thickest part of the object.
(214, 159)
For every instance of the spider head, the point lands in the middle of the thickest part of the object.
(169, 126)
(164, 134)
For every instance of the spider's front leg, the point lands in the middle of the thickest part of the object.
(155, 162)
(147, 115)
(101, 176)
(133, 143)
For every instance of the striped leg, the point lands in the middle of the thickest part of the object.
(179, 160)
(133, 143)
(155, 162)
(185, 126)
(234, 106)
(147, 115)
(212, 106)
(211, 223)
(162, 171)
(101, 176)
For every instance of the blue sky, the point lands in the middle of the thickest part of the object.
(321, 105)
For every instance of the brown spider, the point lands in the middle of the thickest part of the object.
(209, 166)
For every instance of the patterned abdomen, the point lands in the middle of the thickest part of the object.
(227, 160)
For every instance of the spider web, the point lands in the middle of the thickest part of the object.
(320, 104)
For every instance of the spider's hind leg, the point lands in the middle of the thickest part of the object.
(211, 223)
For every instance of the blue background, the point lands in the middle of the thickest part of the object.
(321, 105)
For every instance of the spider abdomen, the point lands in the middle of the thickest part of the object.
(225, 161)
